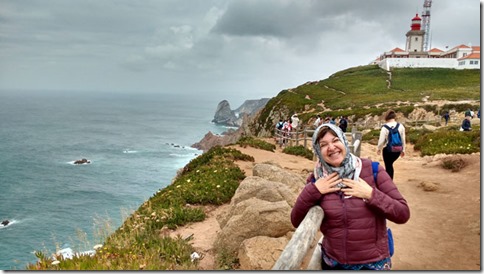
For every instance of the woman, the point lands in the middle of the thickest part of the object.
(355, 207)
(390, 157)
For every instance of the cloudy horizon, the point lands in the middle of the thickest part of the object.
(249, 47)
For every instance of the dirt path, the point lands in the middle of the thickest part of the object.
(443, 232)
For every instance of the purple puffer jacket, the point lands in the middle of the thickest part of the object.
(354, 230)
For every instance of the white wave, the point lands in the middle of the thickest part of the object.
(11, 222)
(130, 151)
(72, 163)
(183, 155)
(68, 253)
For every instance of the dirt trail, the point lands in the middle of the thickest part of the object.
(443, 232)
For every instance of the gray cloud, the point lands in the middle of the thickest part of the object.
(214, 46)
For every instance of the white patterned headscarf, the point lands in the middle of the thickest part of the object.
(349, 168)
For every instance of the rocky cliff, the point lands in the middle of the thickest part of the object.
(224, 115)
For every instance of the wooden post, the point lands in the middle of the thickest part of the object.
(296, 249)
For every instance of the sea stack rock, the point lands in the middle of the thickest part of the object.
(224, 115)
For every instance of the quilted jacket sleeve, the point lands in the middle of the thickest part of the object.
(308, 197)
(388, 200)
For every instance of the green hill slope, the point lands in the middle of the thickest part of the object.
(360, 91)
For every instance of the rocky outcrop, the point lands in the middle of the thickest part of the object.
(260, 253)
(224, 115)
(258, 217)
(250, 107)
(82, 161)
(210, 140)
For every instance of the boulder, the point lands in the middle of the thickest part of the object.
(5, 222)
(82, 161)
(254, 217)
(261, 189)
(261, 252)
(273, 172)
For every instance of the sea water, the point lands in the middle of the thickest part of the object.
(135, 144)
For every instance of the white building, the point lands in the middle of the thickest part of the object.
(459, 57)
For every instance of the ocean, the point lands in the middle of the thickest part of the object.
(135, 144)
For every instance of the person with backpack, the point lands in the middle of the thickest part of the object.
(391, 142)
(357, 199)
(466, 124)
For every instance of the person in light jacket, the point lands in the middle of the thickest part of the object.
(390, 157)
(355, 206)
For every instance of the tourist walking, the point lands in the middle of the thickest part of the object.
(446, 117)
(317, 123)
(295, 121)
(384, 143)
(356, 206)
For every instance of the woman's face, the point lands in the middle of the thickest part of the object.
(332, 149)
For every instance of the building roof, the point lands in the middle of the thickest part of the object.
(474, 55)
(397, 49)
(436, 50)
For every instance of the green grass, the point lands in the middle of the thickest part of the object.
(245, 141)
(448, 140)
(299, 151)
(357, 91)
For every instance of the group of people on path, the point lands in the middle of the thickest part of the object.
(342, 122)
(285, 127)
(466, 122)
(357, 198)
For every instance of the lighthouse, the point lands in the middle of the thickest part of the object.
(415, 38)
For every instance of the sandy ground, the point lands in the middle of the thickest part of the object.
(443, 232)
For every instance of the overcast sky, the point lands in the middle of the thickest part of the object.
(252, 47)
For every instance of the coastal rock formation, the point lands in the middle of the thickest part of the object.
(210, 140)
(82, 161)
(5, 222)
(258, 213)
(224, 115)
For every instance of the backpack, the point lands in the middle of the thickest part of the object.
(394, 140)
(279, 125)
(374, 167)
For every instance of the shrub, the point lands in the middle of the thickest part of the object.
(449, 141)
(299, 151)
(245, 141)
(454, 163)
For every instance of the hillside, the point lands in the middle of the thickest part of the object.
(369, 90)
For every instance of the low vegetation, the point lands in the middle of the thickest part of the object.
(210, 179)
(444, 140)
(245, 141)
(359, 91)
(454, 163)
(299, 151)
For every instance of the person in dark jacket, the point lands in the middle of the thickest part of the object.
(466, 124)
(355, 206)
